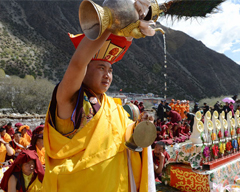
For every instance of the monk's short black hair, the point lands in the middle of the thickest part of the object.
(17, 132)
(158, 128)
(9, 124)
(160, 143)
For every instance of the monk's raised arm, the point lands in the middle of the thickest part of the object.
(68, 88)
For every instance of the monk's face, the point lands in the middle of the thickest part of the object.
(28, 167)
(8, 127)
(3, 133)
(39, 143)
(98, 76)
(17, 137)
(158, 149)
(24, 131)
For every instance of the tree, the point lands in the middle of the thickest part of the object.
(26, 95)
(2, 73)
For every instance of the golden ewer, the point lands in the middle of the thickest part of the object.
(119, 16)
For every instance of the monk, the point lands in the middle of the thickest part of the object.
(168, 134)
(9, 129)
(37, 143)
(141, 107)
(19, 143)
(23, 129)
(4, 135)
(172, 104)
(84, 133)
(5, 149)
(178, 133)
(173, 115)
(160, 157)
(25, 174)
(187, 130)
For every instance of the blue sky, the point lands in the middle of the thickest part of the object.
(219, 31)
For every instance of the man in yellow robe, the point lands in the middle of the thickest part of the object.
(19, 143)
(84, 132)
(5, 149)
(23, 129)
(4, 135)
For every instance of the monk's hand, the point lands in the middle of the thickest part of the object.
(18, 150)
(2, 141)
(142, 7)
(145, 116)
(161, 157)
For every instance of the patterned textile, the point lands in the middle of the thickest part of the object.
(182, 176)
(186, 153)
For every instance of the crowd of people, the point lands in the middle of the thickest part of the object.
(174, 124)
(19, 144)
(22, 150)
(139, 105)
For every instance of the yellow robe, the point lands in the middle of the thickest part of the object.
(27, 137)
(3, 152)
(95, 159)
(41, 154)
(36, 186)
(7, 138)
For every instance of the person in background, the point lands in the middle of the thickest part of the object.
(238, 107)
(136, 103)
(231, 108)
(18, 144)
(141, 107)
(168, 134)
(187, 130)
(195, 108)
(178, 133)
(226, 109)
(9, 129)
(182, 109)
(160, 110)
(18, 125)
(160, 157)
(25, 174)
(173, 115)
(216, 107)
(5, 150)
(4, 135)
(23, 129)
(205, 108)
(37, 143)
(172, 104)
(190, 119)
(187, 106)
(177, 107)
(158, 138)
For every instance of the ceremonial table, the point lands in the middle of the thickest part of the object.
(183, 170)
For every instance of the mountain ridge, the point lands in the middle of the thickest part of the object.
(193, 70)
